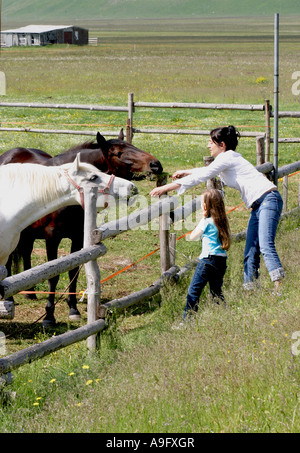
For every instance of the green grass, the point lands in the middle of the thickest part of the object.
(97, 10)
(229, 371)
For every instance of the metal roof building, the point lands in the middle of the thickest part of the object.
(41, 35)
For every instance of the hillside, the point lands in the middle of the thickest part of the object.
(58, 11)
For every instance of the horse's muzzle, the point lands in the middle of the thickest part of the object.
(134, 191)
(156, 167)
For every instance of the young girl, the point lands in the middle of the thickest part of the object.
(215, 233)
(259, 194)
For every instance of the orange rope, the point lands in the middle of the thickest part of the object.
(130, 265)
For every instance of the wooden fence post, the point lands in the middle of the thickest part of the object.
(268, 109)
(129, 133)
(164, 225)
(172, 249)
(260, 150)
(92, 271)
(211, 183)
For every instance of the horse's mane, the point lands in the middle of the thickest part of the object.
(37, 180)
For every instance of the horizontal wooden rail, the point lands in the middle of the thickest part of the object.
(27, 279)
(286, 114)
(134, 220)
(143, 294)
(288, 169)
(189, 132)
(37, 105)
(40, 350)
(56, 131)
(201, 105)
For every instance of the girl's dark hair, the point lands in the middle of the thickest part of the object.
(216, 210)
(229, 135)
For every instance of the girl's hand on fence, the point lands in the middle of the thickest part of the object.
(181, 173)
(158, 191)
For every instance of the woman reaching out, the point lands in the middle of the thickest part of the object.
(258, 193)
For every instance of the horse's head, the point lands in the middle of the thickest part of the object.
(82, 175)
(125, 159)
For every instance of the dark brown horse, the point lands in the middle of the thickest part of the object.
(111, 156)
(24, 155)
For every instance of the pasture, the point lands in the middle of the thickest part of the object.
(222, 61)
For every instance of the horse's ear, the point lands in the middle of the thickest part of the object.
(121, 134)
(101, 140)
(75, 165)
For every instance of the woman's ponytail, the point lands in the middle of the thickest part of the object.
(228, 134)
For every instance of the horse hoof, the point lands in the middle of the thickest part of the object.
(49, 323)
(74, 315)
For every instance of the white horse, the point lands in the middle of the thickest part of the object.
(29, 191)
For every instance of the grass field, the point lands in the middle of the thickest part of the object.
(97, 10)
(241, 376)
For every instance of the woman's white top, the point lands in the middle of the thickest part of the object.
(235, 172)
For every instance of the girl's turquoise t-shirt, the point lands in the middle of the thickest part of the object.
(211, 244)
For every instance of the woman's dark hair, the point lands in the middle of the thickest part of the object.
(229, 135)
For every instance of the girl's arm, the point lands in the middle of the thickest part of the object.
(181, 173)
(196, 233)
(158, 191)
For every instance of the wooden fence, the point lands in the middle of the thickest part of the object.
(130, 109)
(93, 248)
(263, 136)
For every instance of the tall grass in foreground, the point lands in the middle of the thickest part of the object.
(230, 370)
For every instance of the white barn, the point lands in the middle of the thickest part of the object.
(41, 35)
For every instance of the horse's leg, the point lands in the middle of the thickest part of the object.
(74, 314)
(51, 248)
(8, 268)
(26, 247)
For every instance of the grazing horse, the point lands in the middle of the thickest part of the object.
(112, 156)
(29, 191)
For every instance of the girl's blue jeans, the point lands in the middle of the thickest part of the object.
(209, 270)
(260, 237)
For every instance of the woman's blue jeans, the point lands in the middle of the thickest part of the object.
(260, 239)
(209, 270)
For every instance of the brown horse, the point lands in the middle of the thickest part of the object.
(24, 155)
(111, 156)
